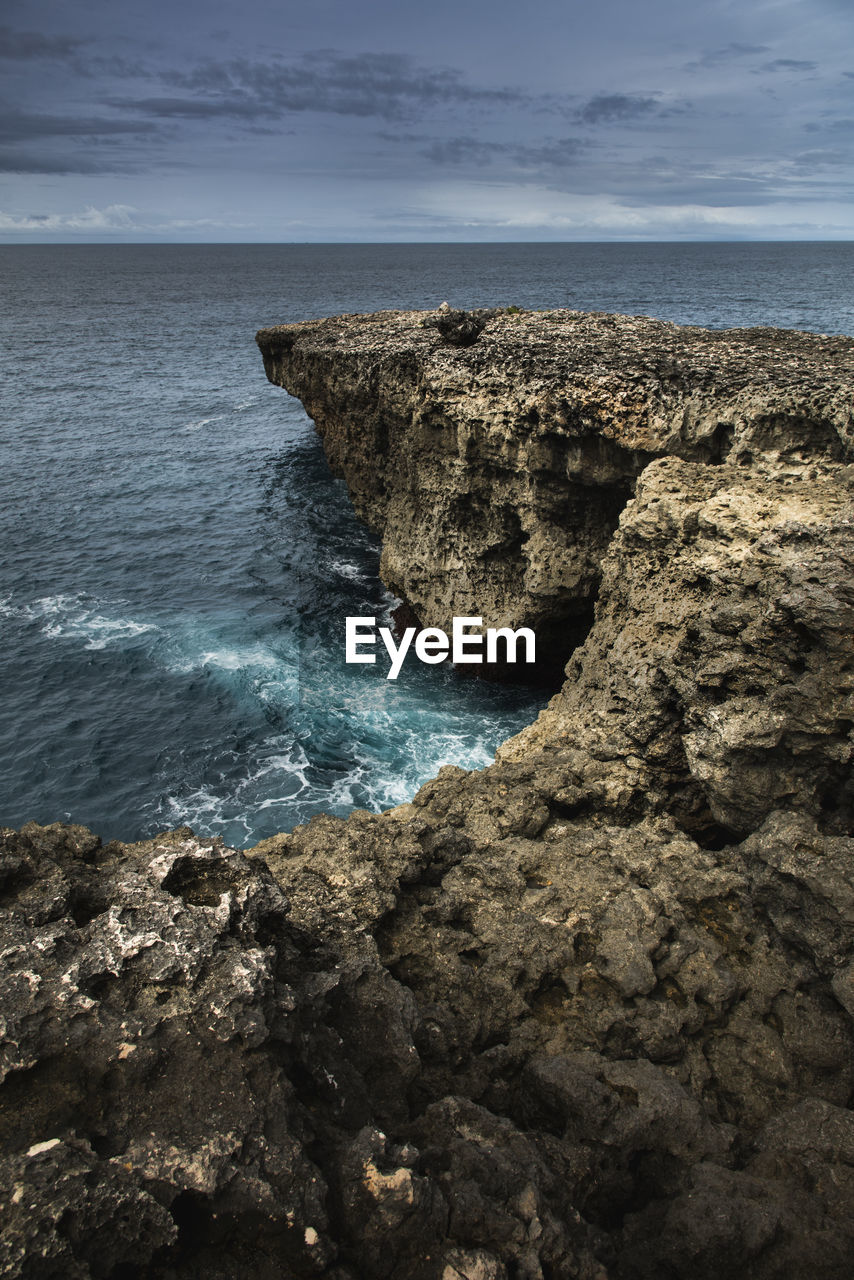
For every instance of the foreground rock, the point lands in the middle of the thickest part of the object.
(587, 1014)
(496, 467)
(193, 1084)
(632, 936)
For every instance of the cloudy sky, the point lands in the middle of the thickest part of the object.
(447, 120)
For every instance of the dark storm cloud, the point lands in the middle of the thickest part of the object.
(467, 152)
(123, 68)
(233, 107)
(32, 44)
(464, 151)
(519, 117)
(391, 86)
(614, 108)
(80, 56)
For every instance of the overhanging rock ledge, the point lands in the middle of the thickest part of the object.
(496, 471)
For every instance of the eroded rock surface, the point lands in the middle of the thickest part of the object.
(587, 1014)
(718, 681)
(632, 936)
(496, 467)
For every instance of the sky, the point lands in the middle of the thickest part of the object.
(453, 120)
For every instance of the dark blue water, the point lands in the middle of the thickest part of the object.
(177, 560)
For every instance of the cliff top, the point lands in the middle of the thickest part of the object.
(561, 343)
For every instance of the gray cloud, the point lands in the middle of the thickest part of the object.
(820, 158)
(727, 53)
(391, 86)
(559, 117)
(612, 108)
(32, 44)
(98, 65)
(99, 145)
(80, 56)
(234, 107)
(556, 153)
(844, 125)
(12, 161)
(465, 152)
(788, 64)
(24, 126)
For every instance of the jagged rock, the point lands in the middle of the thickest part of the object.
(718, 682)
(459, 328)
(144, 1110)
(587, 1014)
(191, 1084)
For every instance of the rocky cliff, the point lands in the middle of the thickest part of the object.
(587, 1014)
(496, 470)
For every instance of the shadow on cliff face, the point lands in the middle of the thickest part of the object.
(557, 640)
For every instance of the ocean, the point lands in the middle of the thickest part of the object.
(177, 559)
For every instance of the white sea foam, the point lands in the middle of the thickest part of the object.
(296, 762)
(368, 755)
(281, 691)
(272, 679)
(189, 657)
(390, 603)
(351, 571)
(203, 810)
(202, 422)
(76, 617)
(231, 809)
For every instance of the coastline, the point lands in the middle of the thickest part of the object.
(587, 1012)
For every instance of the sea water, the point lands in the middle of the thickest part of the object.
(177, 560)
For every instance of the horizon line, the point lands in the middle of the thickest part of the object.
(81, 241)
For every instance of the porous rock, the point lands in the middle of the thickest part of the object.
(585, 1014)
(496, 469)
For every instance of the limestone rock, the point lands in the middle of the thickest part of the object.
(496, 471)
(718, 680)
(587, 1013)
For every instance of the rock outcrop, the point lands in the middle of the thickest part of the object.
(587, 1014)
(496, 464)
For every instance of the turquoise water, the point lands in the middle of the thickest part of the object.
(177, 559)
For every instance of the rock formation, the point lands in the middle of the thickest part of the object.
(587, 1014)
(496, 471)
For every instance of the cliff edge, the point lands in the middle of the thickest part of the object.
(495, 450)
